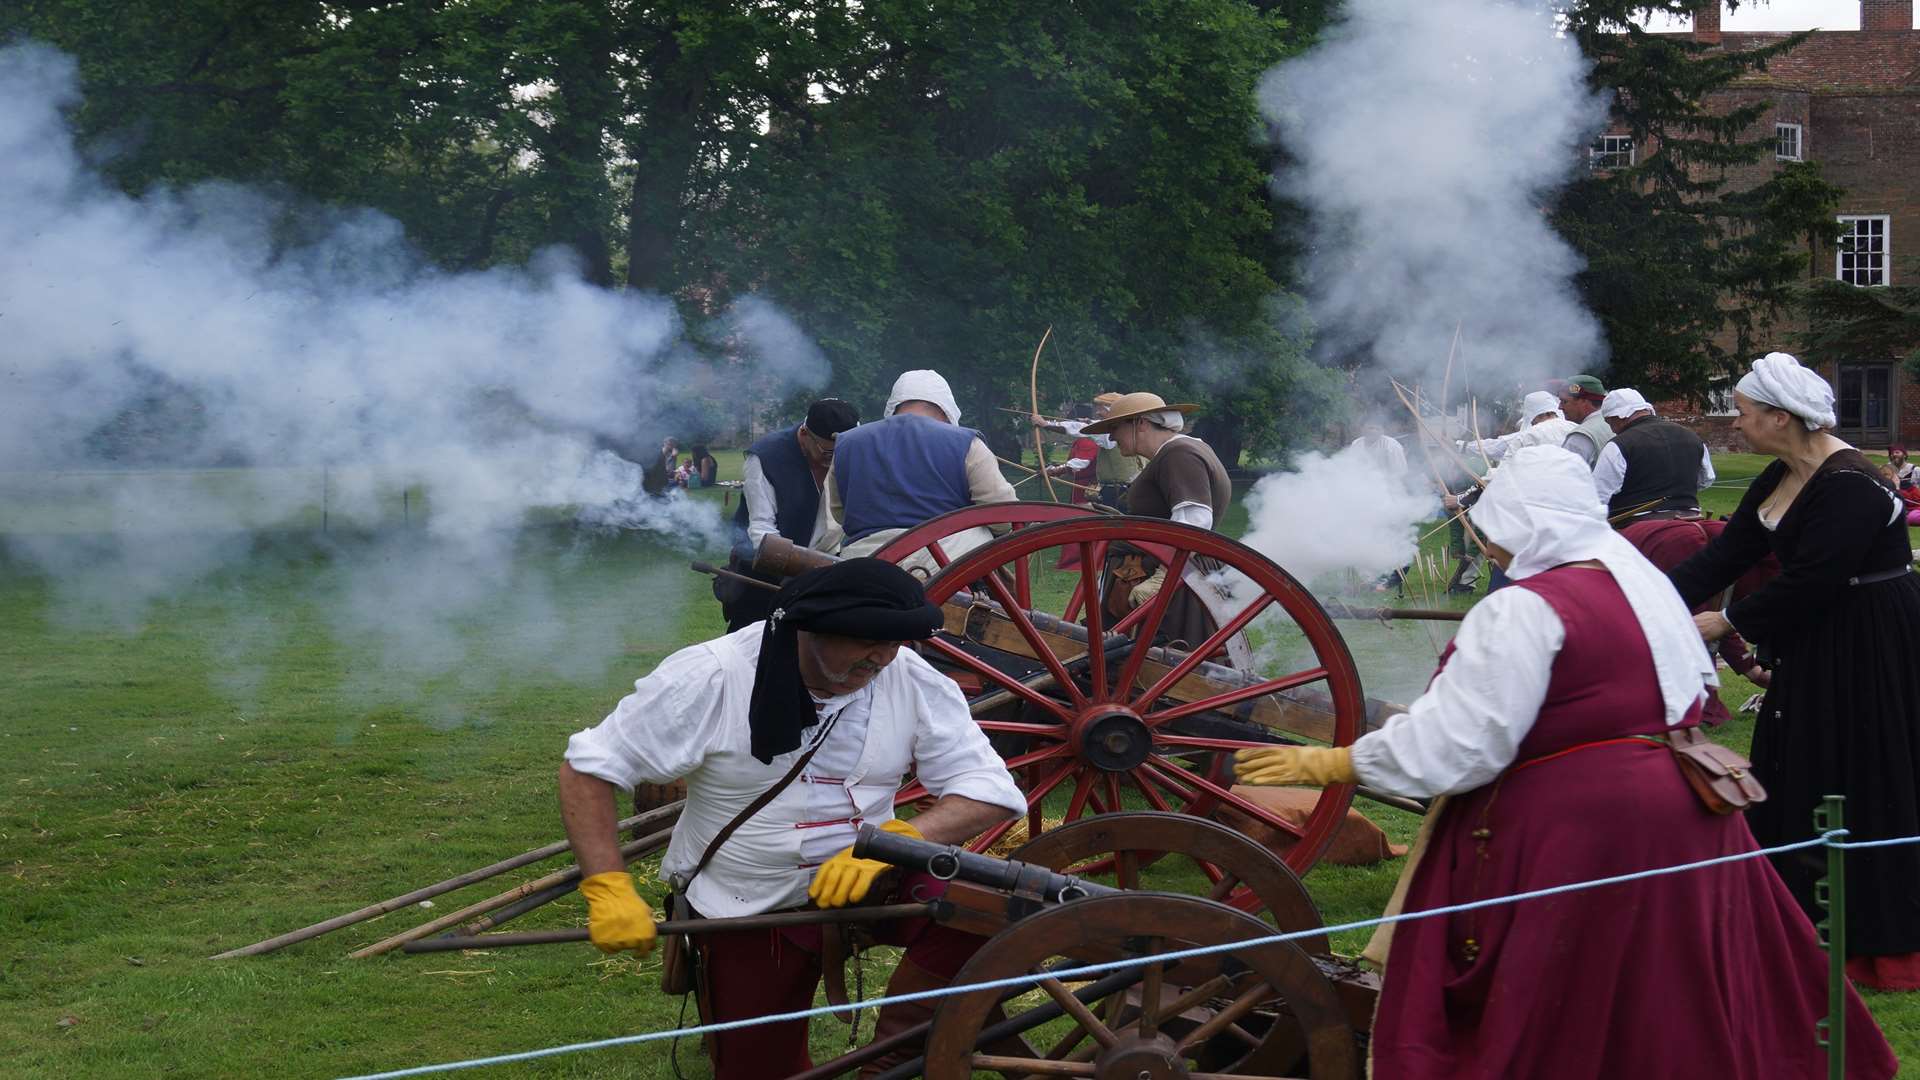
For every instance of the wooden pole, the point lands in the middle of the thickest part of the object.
(686, 926)
(1338, 610)
(709, 568)
(629, 851)
(461, 881)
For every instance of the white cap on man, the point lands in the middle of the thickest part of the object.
(1622, 403)
(923, 384)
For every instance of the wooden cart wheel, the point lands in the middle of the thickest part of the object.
(1256, 1011)
(931, 534)
(1121, 849)
(1112, 720)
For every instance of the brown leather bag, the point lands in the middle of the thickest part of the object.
(678, 957)
(1720, 775)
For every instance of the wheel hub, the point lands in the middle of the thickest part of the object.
(1112, 739)
(1137, 1058)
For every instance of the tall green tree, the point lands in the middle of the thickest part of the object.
(973, 173)
(1687, 271)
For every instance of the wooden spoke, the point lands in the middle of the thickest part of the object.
(939, 554)
(1150, 992)
(1237, 1008)
(1153, 797)
(1207, 648)
(1018, 616)
(1144, 621)
(1201, 742)
(1019, 1066)
(1126, 869)
(1258, 812)
(986, 840)
(1096, 639)
(1045, 787)
(1057, 731)
(949, 651)
(1023, 581)
(1079, 1011)
(1223, 887)
(1236, 696)
(1082, 791)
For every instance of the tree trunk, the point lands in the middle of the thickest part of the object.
(585, 103)
(663, 159)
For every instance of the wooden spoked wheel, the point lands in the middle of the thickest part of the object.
(1125, 850)
(933, 533)
(1103, 715)
(1260, 1010)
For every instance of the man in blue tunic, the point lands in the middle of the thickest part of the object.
(915, 464)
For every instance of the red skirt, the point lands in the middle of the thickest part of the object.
(1712, 972)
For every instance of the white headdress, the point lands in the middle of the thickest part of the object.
(1779, 380)
(1538, 402)
(1541, 505)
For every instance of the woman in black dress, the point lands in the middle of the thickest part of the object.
(1840, 627)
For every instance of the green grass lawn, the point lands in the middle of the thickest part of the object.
(155, 809)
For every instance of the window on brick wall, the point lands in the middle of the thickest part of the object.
(1720, 402)
(1610, 152)
(1786, 142)
(1861, 255)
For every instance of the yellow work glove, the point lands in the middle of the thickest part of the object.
(844, 880)
(616, 916)
(1316, 765)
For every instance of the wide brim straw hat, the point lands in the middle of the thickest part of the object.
(1128, 406)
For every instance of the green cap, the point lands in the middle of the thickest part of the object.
(1585, 386)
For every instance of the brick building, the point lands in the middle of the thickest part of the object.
(1850, 100)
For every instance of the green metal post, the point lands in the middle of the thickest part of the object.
(1830, 893)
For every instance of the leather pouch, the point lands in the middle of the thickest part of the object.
(678, 957)
(1721, 776)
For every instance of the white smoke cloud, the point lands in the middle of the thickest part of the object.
(338, 360)
(1336, 513)
(1426, 136)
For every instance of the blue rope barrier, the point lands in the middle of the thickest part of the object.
(1826, 838)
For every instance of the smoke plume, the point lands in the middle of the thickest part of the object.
(1425, 137)
(340, 374)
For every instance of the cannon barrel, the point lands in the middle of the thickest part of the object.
(950, 862)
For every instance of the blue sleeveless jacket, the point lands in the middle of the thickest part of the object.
(899, 472)
(796, 500)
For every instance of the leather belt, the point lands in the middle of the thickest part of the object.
(1666, 515)
(1883, 575)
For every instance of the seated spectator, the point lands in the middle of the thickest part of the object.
(1909, 491)
(703, 470)
(1905, 472)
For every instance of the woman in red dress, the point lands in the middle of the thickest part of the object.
(1544, 728)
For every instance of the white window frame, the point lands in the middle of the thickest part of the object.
(1602, 150)
(1780, 128)
(1886, 249)
(1720, 402)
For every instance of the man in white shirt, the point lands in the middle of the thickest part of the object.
(1653, 468)
(782, 477)
(1541, 424)
(822, 697)
(1386, 453)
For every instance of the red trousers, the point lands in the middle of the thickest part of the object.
(756, 972)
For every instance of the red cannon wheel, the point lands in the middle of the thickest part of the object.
(1110, 718)
(930, 533)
